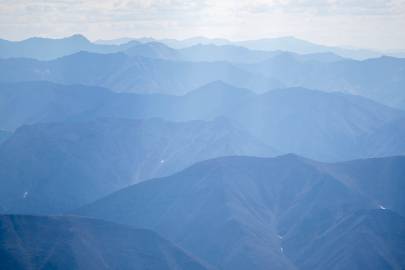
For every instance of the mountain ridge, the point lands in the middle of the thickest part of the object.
(104, 155)
(269, 208)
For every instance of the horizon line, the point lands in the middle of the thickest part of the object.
(134, 38)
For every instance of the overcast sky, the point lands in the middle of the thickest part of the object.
(359, 23)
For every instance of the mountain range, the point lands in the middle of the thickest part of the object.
(202, 153)
(315, 124)
(381, 79)
(157, 70)
(47, 48)
(55, 167)
(288, 43)
(287, 212)
(331, 126)
(123, 73)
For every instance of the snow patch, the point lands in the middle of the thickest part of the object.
(382, 207)
(282, 250)
(25, 194)
(162, 161)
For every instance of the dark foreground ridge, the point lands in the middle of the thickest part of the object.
(33, 242)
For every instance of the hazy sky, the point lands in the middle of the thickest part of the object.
(361, 23)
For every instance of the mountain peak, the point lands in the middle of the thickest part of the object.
(221, 87)
(78, 37)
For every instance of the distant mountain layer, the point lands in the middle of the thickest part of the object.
(323, 126)
(237, 54)
(285, 212)
(381, 79)
(290, 44)
(33, 102)
(154, 68)
(29, 242)
(52, 168)
(123, 73)
(304, 47)
(47, 49)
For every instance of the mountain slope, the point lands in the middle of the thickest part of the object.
(29, 242)
(322, 126)
(32, 102)
(4, 135)
(240, 212)
(379, 179)
(66, 165)
(385, 141)
(365, 240)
